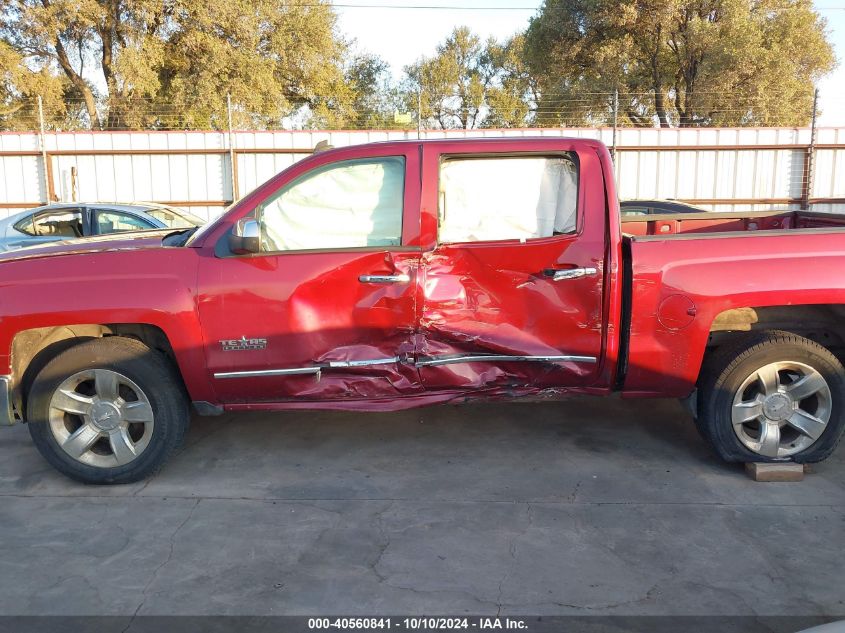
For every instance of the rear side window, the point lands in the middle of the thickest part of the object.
(117, 222)
(60, 223)
(348, 204)
(503, 198)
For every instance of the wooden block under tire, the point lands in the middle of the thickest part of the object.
(786, 471)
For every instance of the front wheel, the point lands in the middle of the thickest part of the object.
(775, 397)
(107, 411)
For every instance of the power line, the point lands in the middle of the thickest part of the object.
(449, 7)
(454, 7)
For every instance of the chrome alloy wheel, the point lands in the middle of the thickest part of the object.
(101, 418)
(781, 409)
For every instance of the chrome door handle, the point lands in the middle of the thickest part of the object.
(569, 273)
(384, 279)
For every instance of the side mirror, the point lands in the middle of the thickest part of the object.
(244, 238)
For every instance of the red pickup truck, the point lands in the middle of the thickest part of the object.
(399, 274)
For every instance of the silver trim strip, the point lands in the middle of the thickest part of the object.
(294, 371)
(363, 363)
(425, 361)
(433, 361)
(269, 372)
(385, 279)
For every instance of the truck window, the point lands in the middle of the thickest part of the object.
(502, 198)
(348, 204)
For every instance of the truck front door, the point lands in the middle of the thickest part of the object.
(513, 288)
(326, 309)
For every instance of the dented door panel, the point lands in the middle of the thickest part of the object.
(328, 335)
(339, 324)
(496, 307)
(497, 300)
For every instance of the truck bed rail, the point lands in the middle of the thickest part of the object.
(722, 222)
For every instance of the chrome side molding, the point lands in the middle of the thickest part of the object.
(385, 279)
(294, 371)
(363, 363)
(424, 361)
(269, 372)
(434, 361)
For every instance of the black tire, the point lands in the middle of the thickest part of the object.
(724, 373)
(149, 370)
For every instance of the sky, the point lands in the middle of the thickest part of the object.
(401, 36)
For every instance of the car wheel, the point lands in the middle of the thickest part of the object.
(776, 396)
(107, 411)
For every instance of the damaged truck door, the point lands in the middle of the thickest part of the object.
(327, 300)
(513, 285)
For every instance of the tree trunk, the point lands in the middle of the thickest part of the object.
(75, 78)
(107, 30)
(659, 101)
(682, 106)
(660, 107)
(635, 119)
(79, 83)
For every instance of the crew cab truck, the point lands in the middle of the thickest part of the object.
(400, 274)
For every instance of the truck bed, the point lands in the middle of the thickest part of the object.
(723, 222)
(681, 283)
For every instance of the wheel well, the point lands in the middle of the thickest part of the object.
(33, 349)
(823, 323)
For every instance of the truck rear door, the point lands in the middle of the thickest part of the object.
(513, 280)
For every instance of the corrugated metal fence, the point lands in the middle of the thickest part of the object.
(719, 168)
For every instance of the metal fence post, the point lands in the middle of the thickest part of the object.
(73, 181)
(811, 155)
(419, 113)
(233, 165)
(615, 121)
(43, 144)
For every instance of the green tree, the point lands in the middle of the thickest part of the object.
(272, 57)
(71, 38)
(170, 63)
(512, 98)
(19, 89)
(369, 98)
(452, 84)
(678, 62)
(470, 83)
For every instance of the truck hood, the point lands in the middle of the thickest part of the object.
(102, 243)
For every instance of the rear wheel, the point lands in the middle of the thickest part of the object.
(109, 410)
(774, 397)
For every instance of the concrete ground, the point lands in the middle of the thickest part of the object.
(592, 506)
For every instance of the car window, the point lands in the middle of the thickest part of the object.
(175, 220)
(683, 208)
(504, 198)
(348, 204)
(635, 211)
(59, 223)
(116, 222)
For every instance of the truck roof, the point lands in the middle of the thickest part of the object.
(481, 140)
